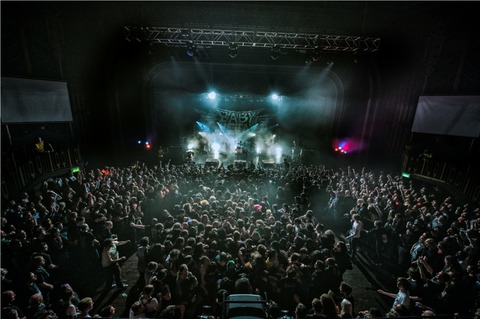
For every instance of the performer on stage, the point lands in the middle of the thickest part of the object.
(239, 151)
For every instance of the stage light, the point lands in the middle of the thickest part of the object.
(215, 147)
(148, 146)
(139, 142)
(259, 150)
(190, 146)
(336, 149)
(274, 52)
(340, 148)
(146, 143)
(275, 97)
(204, 128)
(222, 128)
(232, 50)
(212, 95)
(191, 49)
(316, 54)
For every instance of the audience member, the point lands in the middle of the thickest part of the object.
(110, 262)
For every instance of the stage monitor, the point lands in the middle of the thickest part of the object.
(268, 163)
(212, 163)
(448, 115)
(35, 101)
(239, 164)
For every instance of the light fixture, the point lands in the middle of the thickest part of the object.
(212, 95)
(232, 50)
(191, 49)
(316, 54)
(274, 52)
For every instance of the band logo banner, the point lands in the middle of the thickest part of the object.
(238, 118)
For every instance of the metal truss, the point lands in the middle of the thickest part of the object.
(184, 37)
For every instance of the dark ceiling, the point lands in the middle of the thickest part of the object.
(97, 27)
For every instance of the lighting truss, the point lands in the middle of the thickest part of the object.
(181, 37)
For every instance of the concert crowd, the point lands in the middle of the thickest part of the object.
(201, 233)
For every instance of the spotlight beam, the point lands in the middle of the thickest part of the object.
(270, 127)
(222, 128)
(224, 131)
(204, 127)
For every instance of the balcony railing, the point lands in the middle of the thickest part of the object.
(21, 169)
(464, 178)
